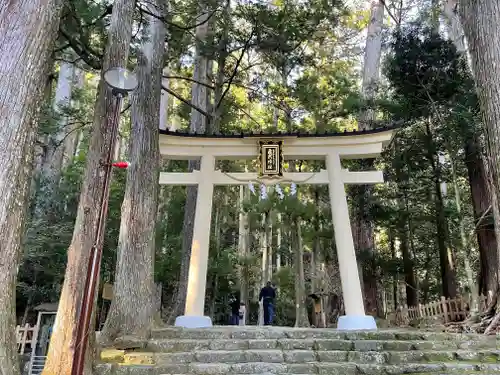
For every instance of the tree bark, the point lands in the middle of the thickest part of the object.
(266, 238)
(474, 306)
(62, 343)
(481, 201)
(363, 223)
(73, 132)
(53, 162)
(455, 30)
(371, 65)
(243, 249)
(478, 181)
(480, 21)
(410, 282)
(27, 31)
(164, 102)
(301, 316)
(132, 308)
(446, 256)
(404, 233)
(279, 224)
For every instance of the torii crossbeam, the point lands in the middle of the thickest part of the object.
(273, 149)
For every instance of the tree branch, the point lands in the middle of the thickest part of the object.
(271, 98)
(107, 12)
(190, 80)
(164, 19)
(235, 70)
(92, 58)
(187, 102)
(62, 48)
(389, 12)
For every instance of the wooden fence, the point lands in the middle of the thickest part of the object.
(25, 335)
(445, 309)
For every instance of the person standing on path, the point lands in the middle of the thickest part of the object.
(235, 310)
(267, 296)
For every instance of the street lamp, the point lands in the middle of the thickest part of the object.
(121, 82)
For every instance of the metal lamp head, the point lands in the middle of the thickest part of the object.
(120, 80)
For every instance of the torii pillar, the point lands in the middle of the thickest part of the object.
(355, 317)
(194, 315)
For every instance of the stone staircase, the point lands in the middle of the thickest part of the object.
(279, 350)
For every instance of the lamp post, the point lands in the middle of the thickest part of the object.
(121, 82)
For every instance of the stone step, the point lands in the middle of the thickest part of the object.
(186, 345)
(310, 356)
(298, 369)
(254, 332)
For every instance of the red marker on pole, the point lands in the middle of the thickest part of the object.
(121, 164)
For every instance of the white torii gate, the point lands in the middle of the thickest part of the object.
(329, 147)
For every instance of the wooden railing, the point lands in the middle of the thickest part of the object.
(25, 335)
(449, 310)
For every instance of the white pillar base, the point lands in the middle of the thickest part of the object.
(193, 321)
(356, 323)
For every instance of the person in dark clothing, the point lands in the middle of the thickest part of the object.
(267, 296)
(235, 311)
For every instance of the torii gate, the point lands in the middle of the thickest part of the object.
(273, 149)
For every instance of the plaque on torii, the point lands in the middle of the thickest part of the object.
(270, 159)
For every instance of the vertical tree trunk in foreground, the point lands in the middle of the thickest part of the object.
(362, 222)
(480, 20)
(478, 181)
(481, 201)
(27, 32)
(62, 343)
(132, 309)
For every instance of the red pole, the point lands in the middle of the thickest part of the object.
(94, 265)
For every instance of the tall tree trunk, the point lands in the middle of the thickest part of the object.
(39, 152)
(481, 196)
(269, 245)
(410, 282)
(218, 244)
(221, 65)
(455, 30)
(446, 256)
(404, 233)
(132, 308)
(243, 249)
(363, 223)
(301, 317)
(51, 168)
(481, 201)
(395, 278)
(316, 258)
(27, 31)
(62, 343)
(73, 132)
(164, 101)
(371, 66)
(278, 241)
(474, 308)
(264, 276)
(198, 124)
(480, 20)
